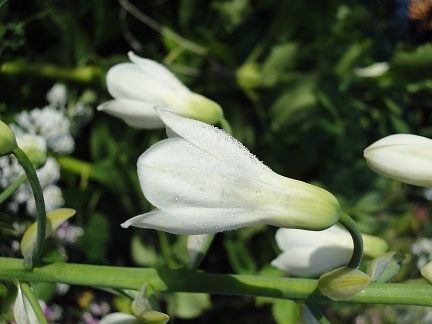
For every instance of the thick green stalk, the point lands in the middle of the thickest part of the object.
(165, 280)
(357, 238)
(39, 200)
(28, 292)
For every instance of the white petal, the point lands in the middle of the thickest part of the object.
(287, 238)
(406, 158)
(135, 113)
(175, 173)
(198, 220)
(306, 261)
(23, 312)
(127, 81)
(158, 72)
(195, 245)
(218, 144)
(401, 139)
(374, 70)
(119, 318)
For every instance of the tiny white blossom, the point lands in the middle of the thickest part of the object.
(57, 95)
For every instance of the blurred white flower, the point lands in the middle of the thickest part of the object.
(120, 318)
(50, 123)
(403, 157)
(57, 95)
(204, 181)
(306, 253)
(143, 84)
(375, 70)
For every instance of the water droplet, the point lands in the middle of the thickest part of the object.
(258, 192)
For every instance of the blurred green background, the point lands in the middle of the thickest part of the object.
(288, 75)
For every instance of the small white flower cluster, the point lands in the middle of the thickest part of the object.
(423, 249)
(39, 130)
(48, 175)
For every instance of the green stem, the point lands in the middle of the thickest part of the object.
(12, 188)
(165, 280)
(34, 303)
(85, 75)
(357, 238)
(39, 200)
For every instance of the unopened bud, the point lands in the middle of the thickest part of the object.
(343, 283)
(7, 139)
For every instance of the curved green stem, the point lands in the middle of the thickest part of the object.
(39, 200)
(357, 238)
(5, 194)
(165, 280)
(34, 303)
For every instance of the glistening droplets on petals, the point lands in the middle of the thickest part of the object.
(215, 142)
(204, 181)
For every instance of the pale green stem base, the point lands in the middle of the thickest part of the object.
(164, 280)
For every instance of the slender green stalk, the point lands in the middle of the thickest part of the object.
(85, 75)
(165, 280)
(357, 238)
(34, 303)
(5, 194)
(39, 200)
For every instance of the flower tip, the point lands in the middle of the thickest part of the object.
(125, 224)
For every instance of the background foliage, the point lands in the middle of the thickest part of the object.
(284, 73)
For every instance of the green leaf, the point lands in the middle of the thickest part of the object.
(382, 269)
(281, 57)
(240, 258)
(286, 311)
(142, 254)
(96, 236)
(188, 305)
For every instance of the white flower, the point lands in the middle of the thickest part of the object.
(119, 318)
(140, 86)
(306, 253)
(403, 157)
(23, 312)
(375, 70)
(57, 95)
(204, 181)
